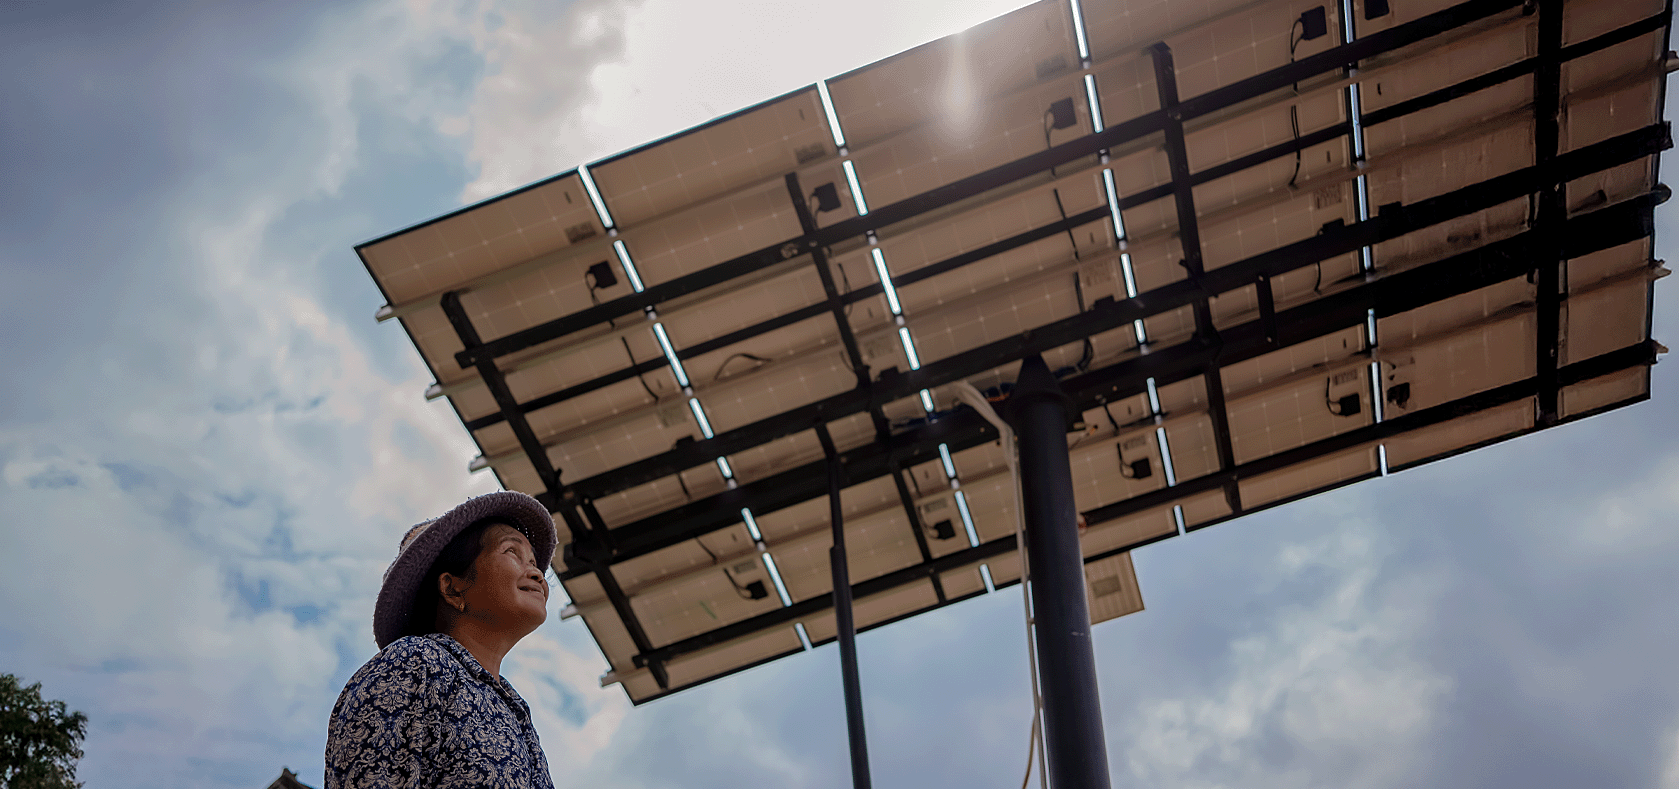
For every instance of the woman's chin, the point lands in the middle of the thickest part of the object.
(535, 617)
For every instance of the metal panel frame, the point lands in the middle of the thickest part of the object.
(882, 427)
(1463, 273)
(1390, 224)
(1641, 354)
(1189, 235)
(1547, 109)
(595, 547)
(861, 293)
(555, 496)
(1134, 129)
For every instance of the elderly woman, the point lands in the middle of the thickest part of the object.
(432, 709)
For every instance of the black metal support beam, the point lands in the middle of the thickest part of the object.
(824, 602)
(1189, 234)
(845, 627)
(1521, 68)
(1388, 295)
(812, 310)
(1267, 307)
(837, 305)
(1035, 164)
(960, 430)
(1039, 411)
(1639, 354)
(1432, 99)
(1547, 109)
(1105, 316)
(497, 384)
(915, 524)
(555, 498)
(638, 635)
(596, 553)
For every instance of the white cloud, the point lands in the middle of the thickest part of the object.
(1670, 772)
(191, 549)
(564, 97)
(575, 716)
(1330, 679)
(1634, 517)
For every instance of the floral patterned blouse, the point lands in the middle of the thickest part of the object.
(425, 713)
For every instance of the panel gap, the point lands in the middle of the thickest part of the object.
(833, 114)
(967, 520)
(601, 213)
(775, 576)
(629, 265)
(1078, 32)
(1166, 457)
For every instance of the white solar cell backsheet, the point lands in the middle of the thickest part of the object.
(1302, 417)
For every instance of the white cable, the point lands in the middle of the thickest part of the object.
(965, 392)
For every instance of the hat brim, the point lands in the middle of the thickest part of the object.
(402, 579)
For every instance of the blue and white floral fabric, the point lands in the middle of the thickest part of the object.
(425, 713)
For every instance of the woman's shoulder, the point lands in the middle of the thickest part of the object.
(412, 649)
(406, 664)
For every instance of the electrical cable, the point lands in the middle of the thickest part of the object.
(1078, 288)
(1333, 406)
(684, 484)
(1031, 747)
(754, 357)
(1294, 125)
(844, 280)
(741, 591)
(639, 376)
(1063, 211)
(829, 251)
(1089, 349)
(966, 393)
(1293, 108)
(1047, 120)
(588, 280)
(1111, 419)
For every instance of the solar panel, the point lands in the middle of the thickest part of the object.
(1269, 248)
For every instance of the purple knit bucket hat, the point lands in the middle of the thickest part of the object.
(421, 545)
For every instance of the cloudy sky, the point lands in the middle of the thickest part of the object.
(208, 448)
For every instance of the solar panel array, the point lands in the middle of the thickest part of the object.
(1270, 247)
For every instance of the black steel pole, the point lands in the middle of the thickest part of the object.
(843, 623)
(1038, 410)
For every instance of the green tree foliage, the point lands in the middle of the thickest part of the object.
(40, 740)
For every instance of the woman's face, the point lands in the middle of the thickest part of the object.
(509, 592)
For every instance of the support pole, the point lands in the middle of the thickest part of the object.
(843, 623)
(1038, 410)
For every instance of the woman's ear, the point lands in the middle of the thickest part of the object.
(451, 590)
